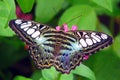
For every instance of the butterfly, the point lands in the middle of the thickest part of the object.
(63, 50)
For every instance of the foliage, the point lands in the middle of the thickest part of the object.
(99, 15)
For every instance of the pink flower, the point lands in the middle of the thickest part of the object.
(65, 28)
(85, 57)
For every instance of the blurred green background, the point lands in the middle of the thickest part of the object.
(98, 15)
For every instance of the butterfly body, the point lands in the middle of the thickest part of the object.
(63, 50)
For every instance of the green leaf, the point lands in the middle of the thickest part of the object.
(80, 2)
(26, 5)
(67, 77)
(53, 74)
(36, 75)
(7, 12)
(116, 7)
(40, 79)
(21, 78)
(105, 65)
(6, 32)
(47, 9)
(107, 4)
(50, 74)
(84, 71)
(13, 53)
(116, 45)
(103, 28)
(81, 15)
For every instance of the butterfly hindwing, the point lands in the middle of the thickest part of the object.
(67, 61)
(41, 58)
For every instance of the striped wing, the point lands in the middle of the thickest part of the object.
(63, 50)
(91, 41)
(31, 33)
(82, 44)
(28, 31)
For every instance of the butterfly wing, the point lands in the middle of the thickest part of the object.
(28, 31)
(41, 58)
(86, 43)
(92, 41)
(31, 33)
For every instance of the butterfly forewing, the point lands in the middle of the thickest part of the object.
(63, 50)
(27, 30)
(91, 41)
